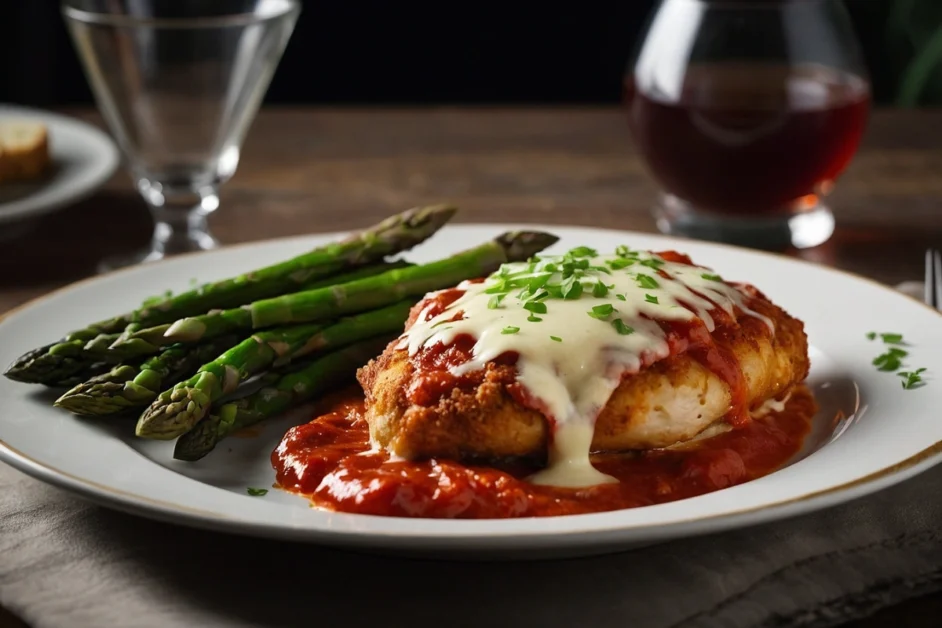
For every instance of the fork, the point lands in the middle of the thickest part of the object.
(933, 285)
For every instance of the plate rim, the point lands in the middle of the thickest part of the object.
(205, 519)
(27, 208)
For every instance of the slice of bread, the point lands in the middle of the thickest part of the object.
(24, 150)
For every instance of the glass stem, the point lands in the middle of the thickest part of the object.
(180, 217)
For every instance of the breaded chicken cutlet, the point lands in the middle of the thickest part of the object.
(668, 350)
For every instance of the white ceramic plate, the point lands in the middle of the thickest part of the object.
(83, 158)
(886, 434)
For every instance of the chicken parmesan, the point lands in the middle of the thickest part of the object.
(569, 383)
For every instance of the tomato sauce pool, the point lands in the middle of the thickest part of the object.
(330, 461)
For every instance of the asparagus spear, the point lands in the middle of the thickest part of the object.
(66, 360)
(348, 298)
(177, 410)
(393, 235)
(127, 386)
(61, 363)
(279, 392)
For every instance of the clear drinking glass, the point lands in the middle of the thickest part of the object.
(178, 84)
(746, 112)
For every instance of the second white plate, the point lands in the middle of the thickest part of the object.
(83, 158)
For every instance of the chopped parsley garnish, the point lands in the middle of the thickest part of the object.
(891, 360)
(576, 274)
(603, 311)
(538, 282)
(621, 262)
(887, 338)
(556, 338)
(583, 251)
(912, 379)
(257, 492)
(711, 277)
(621, 327)
(572, 288)
(647, 281)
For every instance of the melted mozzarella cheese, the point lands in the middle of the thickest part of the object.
(573, 355)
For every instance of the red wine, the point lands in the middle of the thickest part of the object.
(749, 138)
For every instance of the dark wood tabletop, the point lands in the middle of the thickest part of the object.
(309, 170)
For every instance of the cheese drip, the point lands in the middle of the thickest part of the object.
(575, 348)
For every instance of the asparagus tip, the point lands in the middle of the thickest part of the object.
(434, 215)
(521, 245)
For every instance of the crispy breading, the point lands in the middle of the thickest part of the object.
(669, 402)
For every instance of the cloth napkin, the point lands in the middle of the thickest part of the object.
(65, 563)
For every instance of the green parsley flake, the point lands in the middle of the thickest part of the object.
(602, 311)
(621, 262)
(621, 327)
(652, 263)
(509, 330)
(537, 307)
(913, 379)
(892, 339)
(621, 297)
(710, 277)
(599, 290)
(572, 289)
(534, 318)
(556, 338)
(494, 302)
(646, 281)
(650, 298)
(871, 335)
(891, 360)
(583, 251)
(257, 492)
(538, 282)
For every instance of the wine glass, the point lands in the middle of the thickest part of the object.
(178, 84)
(746, 112)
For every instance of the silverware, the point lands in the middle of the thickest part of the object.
(933, 285)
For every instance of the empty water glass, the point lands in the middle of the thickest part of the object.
(178, 84)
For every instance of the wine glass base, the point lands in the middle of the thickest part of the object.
(802, 231)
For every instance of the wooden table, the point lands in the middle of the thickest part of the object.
(315, 170)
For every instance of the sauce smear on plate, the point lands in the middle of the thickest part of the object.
(331, 462)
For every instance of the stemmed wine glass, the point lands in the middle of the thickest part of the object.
(746, 112)
(178, 84)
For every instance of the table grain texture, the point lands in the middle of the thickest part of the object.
(308, 170)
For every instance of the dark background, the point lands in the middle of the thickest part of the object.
(374, 52)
